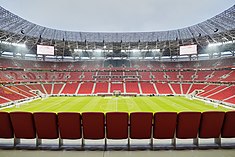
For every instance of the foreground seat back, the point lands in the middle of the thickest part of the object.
(93, 125)
(69, 125)
(46, 125)
(228, 130)
(211, 124)
(23, 125)
(6, 130)
(188, 125)
(117, 125)
(164, 125)
(141, 125)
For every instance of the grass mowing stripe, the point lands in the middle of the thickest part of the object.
(152, 106)
(181, 104)
(121, 104)
(92, 105)
(132, 106)
(165, 106)
(68, 105)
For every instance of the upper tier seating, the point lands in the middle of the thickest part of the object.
(98, 64)
(187, 75)
(145, 76)
(88, 76)
(173, 76)
(214, 78)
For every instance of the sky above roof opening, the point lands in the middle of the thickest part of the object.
(116, 15)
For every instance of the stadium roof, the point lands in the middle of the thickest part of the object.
(220, 28)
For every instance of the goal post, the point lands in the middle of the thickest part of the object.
(116, 92)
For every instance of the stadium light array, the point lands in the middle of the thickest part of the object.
(78, 50)
(91, 50)
(131, 50)
(144, 50)
(219, 43)
(13, 44)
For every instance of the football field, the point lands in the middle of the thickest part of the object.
(110, 104)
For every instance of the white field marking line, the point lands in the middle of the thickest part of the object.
(116, 104)
(110, 102)
(21, 104)
(207, 102)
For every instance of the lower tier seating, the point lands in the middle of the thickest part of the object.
(215, 92)
(147, 88)
(197, 126)
(163, 88)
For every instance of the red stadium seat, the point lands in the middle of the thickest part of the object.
(23, 125)
(188, 125)
(6, 130)
(69, 125)
(141, 125)
(46, 125)
(93, 126)
(211, 125)
(228, 130)
(164, 125)
(117, 125)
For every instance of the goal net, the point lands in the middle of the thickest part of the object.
(117, 93)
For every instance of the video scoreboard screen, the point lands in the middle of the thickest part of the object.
(45, 50)
(188, 50)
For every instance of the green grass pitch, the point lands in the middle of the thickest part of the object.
(121, 104)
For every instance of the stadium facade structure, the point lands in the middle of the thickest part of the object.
(218, 29)
(208, 75)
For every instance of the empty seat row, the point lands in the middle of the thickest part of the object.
(117, 125)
